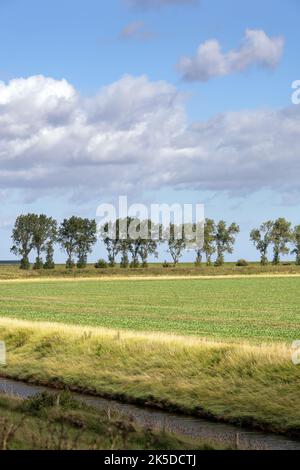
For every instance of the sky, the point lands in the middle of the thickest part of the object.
(166, 101)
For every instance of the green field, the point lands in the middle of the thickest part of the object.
(258, 309)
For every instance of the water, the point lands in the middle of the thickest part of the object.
(198, 429)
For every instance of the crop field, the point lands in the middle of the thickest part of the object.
(217, 347)
(257, 309)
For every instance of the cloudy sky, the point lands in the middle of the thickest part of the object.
(161, 100)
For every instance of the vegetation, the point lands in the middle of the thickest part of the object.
(225, 239)
(260, 310)
(57, 422)
(37, 232)
(262, 240)
(252, 385)
(281, 235)
(101, 264)
(242, 263)
(153, 270)
(296, 242)
(138, 239)
(209, 240)
(77, 237)
(176, 244)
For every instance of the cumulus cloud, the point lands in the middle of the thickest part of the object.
(134, 135)
(136, 30)
(151, 4)
(257, 49)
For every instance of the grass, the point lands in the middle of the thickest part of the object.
(154, 270)
(240, 383)
(218, 348)
(251, 309)
(57, 422)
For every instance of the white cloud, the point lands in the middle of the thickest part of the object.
(133, 136)
(257, 49)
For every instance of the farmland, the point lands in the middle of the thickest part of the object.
(218, 348)
(252, 309)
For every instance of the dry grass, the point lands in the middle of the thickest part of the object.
(233, 382)
(147, 278)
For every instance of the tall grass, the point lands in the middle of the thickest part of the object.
(57, 422)
(231, 382)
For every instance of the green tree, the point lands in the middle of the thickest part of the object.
(49, 246)
(22, 237)
(150, 235)
(209, 247)
(44, 234)
(110, 236)
(77, 237)
(193, 243)
(49, 262)
(225, 239)
(124, 241)
(134, 240)
(86, 238)
(175, 236)
(281, 235)
(262, 238)
(296, 243)
(67, 238)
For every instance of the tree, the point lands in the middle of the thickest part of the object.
(124, 240)
(44, 234)
(110, 237)
(141, 240)
(22, 237)
(86, 238)
(296, 243)
(262, 239)
(148, 243)
(77, 237)
(225, 239)
(176, 242)
(49, 263)
(199, 248)
(281, 235)
(67, 238)
(134, 240)
(49, 247)
(209, 247)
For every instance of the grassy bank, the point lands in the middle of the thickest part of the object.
(57, 422)
(238, 383)
(252, 309)
(154, 270)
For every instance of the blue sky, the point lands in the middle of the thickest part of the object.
(95, 44)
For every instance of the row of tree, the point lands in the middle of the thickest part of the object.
(76, 236)
(281, 235)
